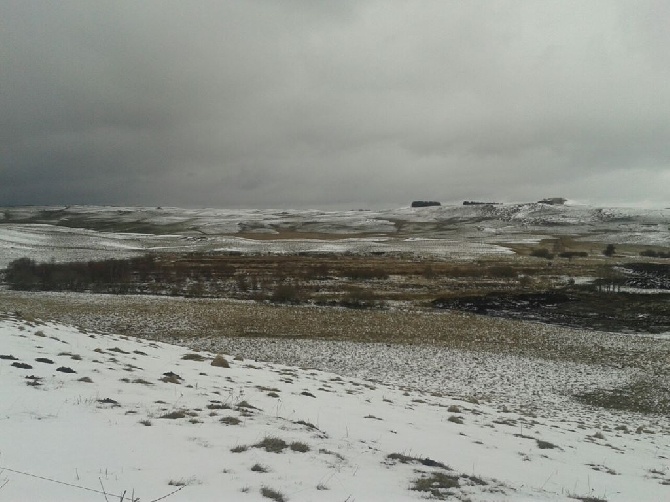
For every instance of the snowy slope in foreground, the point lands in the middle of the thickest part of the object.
(105, 426)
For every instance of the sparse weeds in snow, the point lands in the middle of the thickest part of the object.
(190, 481)
(260, 468)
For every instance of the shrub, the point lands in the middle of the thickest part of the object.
(609, 250)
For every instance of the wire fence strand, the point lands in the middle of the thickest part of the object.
(72, 485)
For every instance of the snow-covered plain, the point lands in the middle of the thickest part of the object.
(105, 427)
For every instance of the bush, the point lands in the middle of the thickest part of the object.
(609, 250)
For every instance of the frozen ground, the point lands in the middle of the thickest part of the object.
(123, 415)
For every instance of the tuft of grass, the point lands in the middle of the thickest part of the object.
(239, 449)
(170, 377)
(273, 494)
(146, 422)
(407, 459)
(245, 405)
(455, 419)
(142, 381)
(173, 415)
(272, 444)
(218, 405)
(230, 421)
(260, 468)
(333, 453)
(299, 447)
(85, 380)
(545, 445)
(454, 409)
(193, 357)
(220, 361)
(184, 481)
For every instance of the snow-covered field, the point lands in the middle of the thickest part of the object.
(89, 413)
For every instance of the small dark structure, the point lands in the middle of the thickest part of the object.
(425, 203)
(477, 203)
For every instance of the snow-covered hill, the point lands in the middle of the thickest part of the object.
(86, 413)
(456, 232)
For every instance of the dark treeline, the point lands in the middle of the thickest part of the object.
(27, 274)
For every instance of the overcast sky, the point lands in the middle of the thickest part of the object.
(333, 104)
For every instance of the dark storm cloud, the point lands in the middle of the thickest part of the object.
(293, 104)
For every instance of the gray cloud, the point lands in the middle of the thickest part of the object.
(333, 104)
